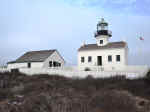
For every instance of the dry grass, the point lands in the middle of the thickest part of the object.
(53, 93)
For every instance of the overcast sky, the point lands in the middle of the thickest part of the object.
(27, 25)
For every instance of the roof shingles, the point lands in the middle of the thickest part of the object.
(34, 56)
(110, 45)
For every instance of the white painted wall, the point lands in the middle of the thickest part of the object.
(54, 57)
(105, 39)
(25, 65)
(126, 54)
(17, 65)
(104, 53)
(36, 64)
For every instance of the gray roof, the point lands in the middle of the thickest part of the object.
(110, 45)
(34, 56)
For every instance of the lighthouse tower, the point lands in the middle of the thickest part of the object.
(102, 34)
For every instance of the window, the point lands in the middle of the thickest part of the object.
(59, 64)
(89, 59)
(101, 41)
(82, 59)
(118, 58)
(29, 65)
(50, 64)
(109, 58)
(54, 64)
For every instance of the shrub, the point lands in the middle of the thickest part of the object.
(87, 69)
(14, 70)
(147, 78)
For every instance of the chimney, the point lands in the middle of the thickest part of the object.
(83, 44)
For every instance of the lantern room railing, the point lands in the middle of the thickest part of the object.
(103, 32)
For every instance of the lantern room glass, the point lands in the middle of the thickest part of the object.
(102, 27)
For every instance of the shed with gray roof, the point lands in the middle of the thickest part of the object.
(38, 59)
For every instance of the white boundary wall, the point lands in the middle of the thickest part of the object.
(131, 72)
(3, 69)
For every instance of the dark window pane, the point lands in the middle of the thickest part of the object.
(89, 59)
(101, 41)
(50, 64)
(54, 64)
(117, 57)
(82, 59)
(59, 64)
(109, 58)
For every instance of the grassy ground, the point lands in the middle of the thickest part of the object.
(53, 93)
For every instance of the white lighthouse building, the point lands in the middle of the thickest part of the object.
(102, 59)
(103, 55)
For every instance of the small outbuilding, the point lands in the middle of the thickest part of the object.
(38, 59)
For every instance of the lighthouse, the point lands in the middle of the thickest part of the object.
(102, 33)
(103, 54)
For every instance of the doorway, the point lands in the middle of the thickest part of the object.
(99, 60)
(29, 65)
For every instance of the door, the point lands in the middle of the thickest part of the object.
(99, 60)
(29, 65)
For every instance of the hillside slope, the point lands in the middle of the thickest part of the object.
(45, 93)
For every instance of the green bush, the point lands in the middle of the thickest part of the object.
(87, 69)
(147, 78)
